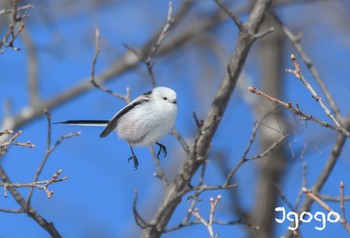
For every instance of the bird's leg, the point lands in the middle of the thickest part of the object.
(134, 158)
(162, 148)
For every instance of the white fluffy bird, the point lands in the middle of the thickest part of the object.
(143, 122)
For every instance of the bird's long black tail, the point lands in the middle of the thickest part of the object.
(84, 122)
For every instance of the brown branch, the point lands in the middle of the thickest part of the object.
(12, 188)
(4, 146)
(342, 207)
(307, 61)
(201, 146)
(198, 191)
(160, 173)
(296, 110)
(180, 139)
(8, 11)
(303, 185)
(235, 19)
(327, 169)
(47, 226)
(332, 198)
(284, 198)
(125, 98)
(311, 195)
(341, 199)
(16, 211)
(208, 224)
(38, 184)
(14, 30)
(298, 74)
(216, 222)
(164, 32)
(49, 150)
(138, 219)
(32, 69)
(246, 151)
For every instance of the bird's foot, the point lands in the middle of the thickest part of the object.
(136, 162)
(162, 148)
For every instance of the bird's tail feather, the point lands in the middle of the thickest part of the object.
(84, 122)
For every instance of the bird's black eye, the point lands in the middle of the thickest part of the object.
(165, 98)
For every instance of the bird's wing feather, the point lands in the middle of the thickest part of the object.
(112, 124)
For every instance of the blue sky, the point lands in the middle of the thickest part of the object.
(96, 200)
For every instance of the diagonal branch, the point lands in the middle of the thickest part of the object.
(298, 74)
(326, 171)
(198, 155)
(48, 226)
(298, 47)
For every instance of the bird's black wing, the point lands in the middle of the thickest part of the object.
(112, 124)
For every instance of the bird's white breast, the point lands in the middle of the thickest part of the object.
(148, 122)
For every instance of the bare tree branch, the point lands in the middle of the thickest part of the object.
(297, 45)
(327, 169)
(296, 110)
(14, 30)
(49, 150)
(37, 184)
(201, 147)
(29, 210)
(11, 141)
(299, 75)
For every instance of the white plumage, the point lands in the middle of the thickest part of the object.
(149, 121)
(143, 121)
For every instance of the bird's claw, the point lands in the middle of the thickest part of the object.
(136, 162)
(162, 148)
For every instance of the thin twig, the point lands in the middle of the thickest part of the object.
(180, 139)
(162, 35)
(216, 222)
(48, 226)
(303, 185)
(32, 69)
(4, 146)
(297, 45)
(298, 74)
(49, 150)
(17, 211)
(264, 33)
(311, 195)
(268, 150)
(327, 169)
(332, 198)
(160, 173)
(38, 184)
(342, 207)
(138, 219)
(246, 151)
(13, 30)
(206, 187)
(198, 191)
(8, 11)
(296, 110)
(284, 198)
(235, 19)
(125, 98)
(198, 122)
(208, 224)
